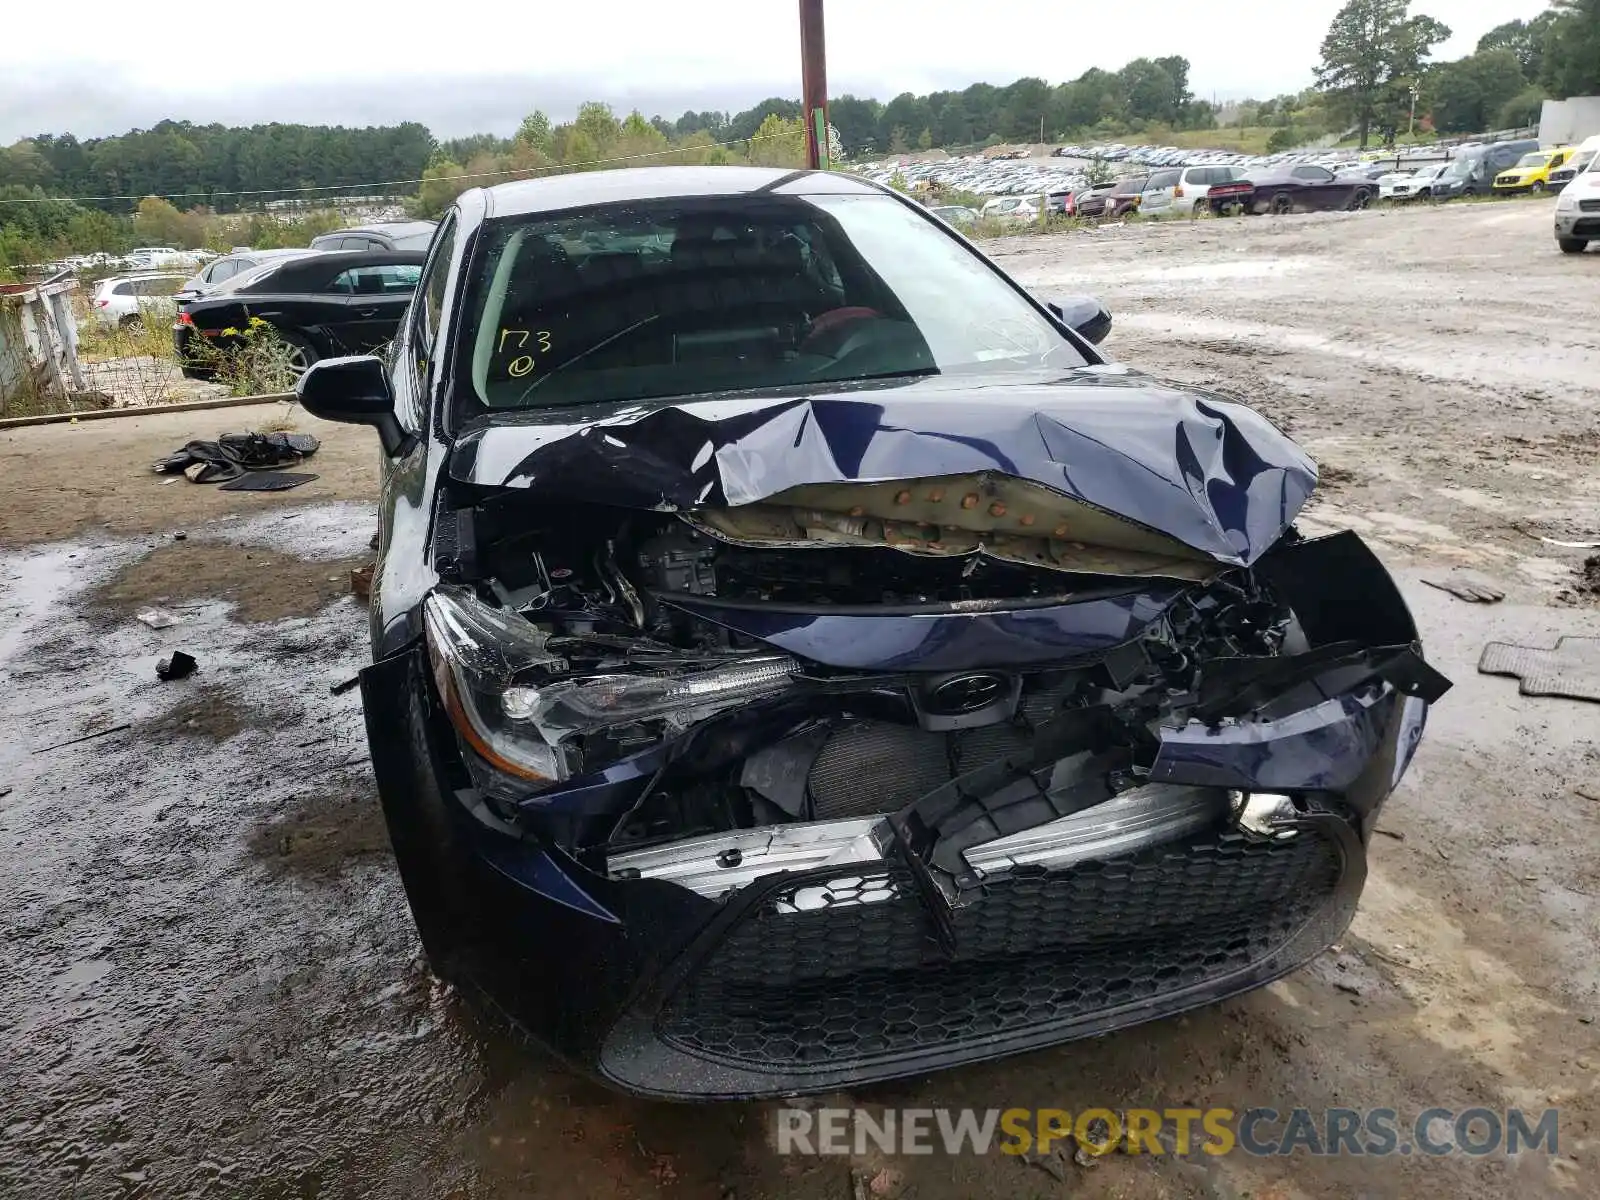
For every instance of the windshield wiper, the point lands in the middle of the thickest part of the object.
(600, 345)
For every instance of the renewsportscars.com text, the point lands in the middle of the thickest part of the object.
(1375, 1132)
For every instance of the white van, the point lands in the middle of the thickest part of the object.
(1577, 163)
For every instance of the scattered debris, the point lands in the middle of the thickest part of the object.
(1571, 669)
(157, 618)
(1589, 576)
(885, 1183)
(267, 481)
(345, 685)
(1053, 1161)
(361, 581)
(177, 665)
(5, 790)
(1391, 833)
(85, 738)
(1348, 988)
(1465, 586)
(180, 536)
(1550, 541)
(234, 454)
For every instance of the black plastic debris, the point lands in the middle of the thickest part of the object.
(267, 481)
(177, 665)
(235, 454)
(344, 685)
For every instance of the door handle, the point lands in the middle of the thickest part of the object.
(366, 312)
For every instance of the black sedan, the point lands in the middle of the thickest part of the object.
(801, 658)
(320, 305)
(1304, 188)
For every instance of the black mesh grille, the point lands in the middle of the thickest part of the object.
(842, 984)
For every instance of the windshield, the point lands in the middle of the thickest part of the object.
(1581, 163)
(1533, 160)
(682, 297)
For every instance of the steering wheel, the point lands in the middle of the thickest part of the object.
(833, 333)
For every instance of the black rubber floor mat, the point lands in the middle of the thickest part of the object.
(1571, 669)
(267, 481)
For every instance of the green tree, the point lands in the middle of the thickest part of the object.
(1466, 96)
(534, 132)
(1522, 109)
(1370, 57)
(925, 140)
(598, 124)
(1525, 39)
(779, 142)
(1571, 65)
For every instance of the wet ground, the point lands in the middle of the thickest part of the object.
(210, 985)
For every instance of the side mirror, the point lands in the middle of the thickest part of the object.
(355, 391)
(1085, 314)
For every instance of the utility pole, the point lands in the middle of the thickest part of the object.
(1411, 128)
(814, 84)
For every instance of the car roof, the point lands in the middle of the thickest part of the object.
(392, 228)
(585, 188)
(310, 270)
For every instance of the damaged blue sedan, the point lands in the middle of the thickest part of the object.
(801, 658)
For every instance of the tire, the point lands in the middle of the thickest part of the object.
(1282, 204)
(1537, 188)
(302, 354)
(133, 322)
(1361, 200)
(1201, 208)
(1573, 245)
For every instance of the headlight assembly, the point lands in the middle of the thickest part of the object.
(514, 704)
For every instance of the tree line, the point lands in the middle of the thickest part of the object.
(1375, 72)
(1375, 77)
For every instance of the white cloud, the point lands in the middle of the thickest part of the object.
(479, 67)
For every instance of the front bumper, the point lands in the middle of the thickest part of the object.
(658, 990)
(1576, 223)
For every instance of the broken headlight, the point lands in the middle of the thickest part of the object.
(515, 704)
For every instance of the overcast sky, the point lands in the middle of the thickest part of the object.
(479, 66)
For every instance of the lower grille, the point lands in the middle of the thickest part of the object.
(1589, 206)
(831, 987)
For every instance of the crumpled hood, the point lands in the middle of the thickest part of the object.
(1208, 472)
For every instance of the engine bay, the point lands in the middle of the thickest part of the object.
(603, 590)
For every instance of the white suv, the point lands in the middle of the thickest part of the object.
(126, 300)
(1180, 189)
(1578, 211)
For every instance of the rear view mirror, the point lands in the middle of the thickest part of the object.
(354, 391)
(1085, 314)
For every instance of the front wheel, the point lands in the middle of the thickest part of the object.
(1201, 208)
(1573, 245)
(1282, 204)
(1537, 188)
(1360, 200)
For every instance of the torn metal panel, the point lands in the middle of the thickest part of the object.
(1206, 473)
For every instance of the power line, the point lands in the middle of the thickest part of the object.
(523, 172)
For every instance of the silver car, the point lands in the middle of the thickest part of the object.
(123, 301)
(229, 265)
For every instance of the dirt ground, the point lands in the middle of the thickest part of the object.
(210, 984)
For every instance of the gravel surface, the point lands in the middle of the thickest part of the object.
(210, 984)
